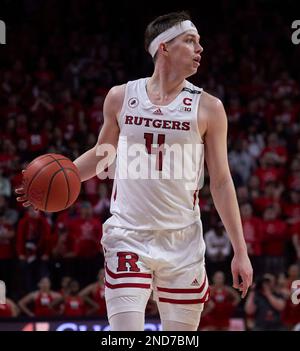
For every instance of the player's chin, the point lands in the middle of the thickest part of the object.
(193, 71)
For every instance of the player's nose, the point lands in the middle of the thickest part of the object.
(199, 49)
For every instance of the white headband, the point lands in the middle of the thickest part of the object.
(170, 34)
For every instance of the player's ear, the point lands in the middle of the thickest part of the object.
(163, 48)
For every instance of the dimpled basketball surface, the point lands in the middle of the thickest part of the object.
(51, 182)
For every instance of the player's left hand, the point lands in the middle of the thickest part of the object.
(241, 268)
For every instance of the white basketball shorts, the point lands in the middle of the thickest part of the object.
(169, 262)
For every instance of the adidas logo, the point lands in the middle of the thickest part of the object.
(195, 282)
(158, 112)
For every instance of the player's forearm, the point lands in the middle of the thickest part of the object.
(225, 201)
(87, 164)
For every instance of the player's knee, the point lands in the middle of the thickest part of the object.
(178, 326)
(128, 303)
(127, 321)
(186, 314)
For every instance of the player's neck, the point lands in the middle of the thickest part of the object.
(164, 83)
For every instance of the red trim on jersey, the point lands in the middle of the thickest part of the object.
(128, 285)
(127, 275)
(186, 302)
(184, 291)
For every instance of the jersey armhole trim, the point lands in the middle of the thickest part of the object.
(119, 118)
(196, 119)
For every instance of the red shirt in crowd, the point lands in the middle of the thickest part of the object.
(292, 211)
(262, 202)
(42, 304)
(281, 151)
(6, 244)
(37, 141)
(98, 297)
(84, 237)
(293, 181)
(33, 236)
(223, 307)
(74, 306)
(252, 229)
(5, 311)
(275, 234)
(272, 174)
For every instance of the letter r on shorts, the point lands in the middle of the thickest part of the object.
(127, 260)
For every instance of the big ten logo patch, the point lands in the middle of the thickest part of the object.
(133, 102)
(2, 292)
(295, 290)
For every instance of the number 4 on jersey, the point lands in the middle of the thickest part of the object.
(157, 150)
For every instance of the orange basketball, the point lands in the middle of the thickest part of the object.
(51, 182)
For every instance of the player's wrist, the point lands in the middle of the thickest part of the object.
(240, 250)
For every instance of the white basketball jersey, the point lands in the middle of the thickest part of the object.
(160, 160)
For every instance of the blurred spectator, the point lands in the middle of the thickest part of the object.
(10, 215)
(274, 238)
(84, 254)
(291, 313)
(265, 304)
(9, 309)
(5, 187)
(72, 304)
(7, 253)
(276, 150)
(241, 160)
(102, 207)
(95, 114)
(292, 207)
(37, 139)
(253, 232)
(91, 189)
(268, 170)
(218, 248)
(293, 181)
(223, 303)
(93, 295)
(295, 236)
(40, 300)
(33, 249)
(271, 196)
(243, 195)
(254, 187)
(65, 285)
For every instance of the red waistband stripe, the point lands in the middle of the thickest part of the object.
(127, 285)
(127, 275)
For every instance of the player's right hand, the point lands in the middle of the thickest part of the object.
(22, 198)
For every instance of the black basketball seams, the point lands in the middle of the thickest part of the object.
(49, 187)
(38, 172)
(72, 170)
(66, 177)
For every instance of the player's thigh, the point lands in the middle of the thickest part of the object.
(180, 283)
(128, 278)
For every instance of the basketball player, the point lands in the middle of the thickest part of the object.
(154, 241)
